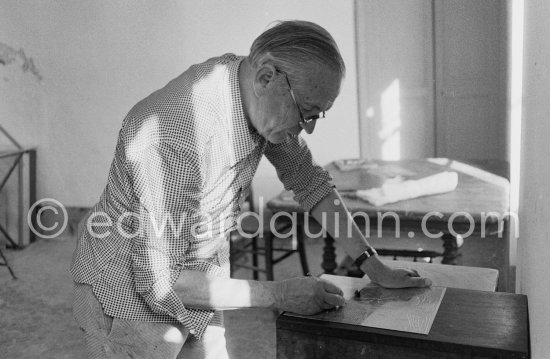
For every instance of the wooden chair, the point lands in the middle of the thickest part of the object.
(265, 245)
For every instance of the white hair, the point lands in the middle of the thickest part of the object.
(297, 46)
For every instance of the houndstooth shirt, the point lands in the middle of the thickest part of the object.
(183, 164)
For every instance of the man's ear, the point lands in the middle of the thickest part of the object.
(264, 77)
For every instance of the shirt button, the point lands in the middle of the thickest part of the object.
(192, 332)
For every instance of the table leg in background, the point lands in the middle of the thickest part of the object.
(329, 255)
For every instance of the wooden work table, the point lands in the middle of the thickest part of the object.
(469, 324)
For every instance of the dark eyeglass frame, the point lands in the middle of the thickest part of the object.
(303, 121)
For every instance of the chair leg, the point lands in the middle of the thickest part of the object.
(268, 238)
(302, 253)
(255, 273)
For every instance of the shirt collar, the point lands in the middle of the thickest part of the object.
(244, 137)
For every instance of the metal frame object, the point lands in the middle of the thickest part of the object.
(18, 154)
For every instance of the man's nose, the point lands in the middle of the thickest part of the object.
(309, 127)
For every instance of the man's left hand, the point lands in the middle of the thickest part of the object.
(388, 277)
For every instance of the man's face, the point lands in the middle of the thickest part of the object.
(279, 114)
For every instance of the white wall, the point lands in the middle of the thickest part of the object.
(98, 58)
(396, 78)
(534, 205)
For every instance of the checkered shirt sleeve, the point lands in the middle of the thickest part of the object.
(298, 171)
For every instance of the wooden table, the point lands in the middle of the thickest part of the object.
(478, 193)
(469, 324)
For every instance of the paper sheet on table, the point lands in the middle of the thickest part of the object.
(354, 164)
(410, 310)
(394, 192)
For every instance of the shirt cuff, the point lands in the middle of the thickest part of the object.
(162, 299)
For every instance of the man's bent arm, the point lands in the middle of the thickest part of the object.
(337, 219)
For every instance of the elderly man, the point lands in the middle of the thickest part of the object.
(151, 265)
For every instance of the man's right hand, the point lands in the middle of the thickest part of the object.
(307, 295)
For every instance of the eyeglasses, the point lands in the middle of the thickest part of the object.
(303, 121)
